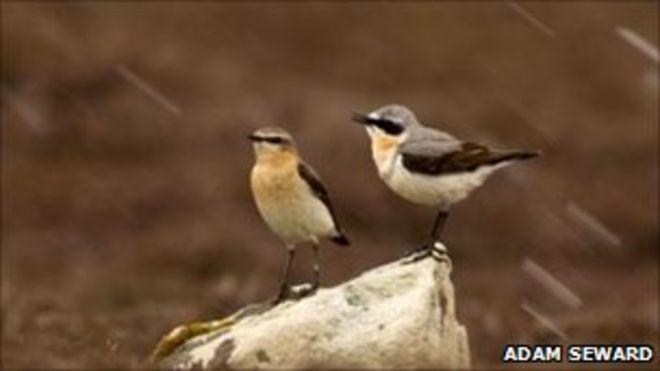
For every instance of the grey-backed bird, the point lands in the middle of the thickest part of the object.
(428, 166)
(291, 199)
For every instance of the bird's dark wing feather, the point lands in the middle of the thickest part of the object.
(441, 158)
(313, 180)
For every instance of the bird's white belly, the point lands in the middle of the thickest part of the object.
(434, 190)
(297, 218)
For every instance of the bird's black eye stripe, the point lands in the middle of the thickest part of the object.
(388, 126)
(274, 140)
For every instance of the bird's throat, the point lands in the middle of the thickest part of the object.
(277, 159)
(384, 152)
(384, 144)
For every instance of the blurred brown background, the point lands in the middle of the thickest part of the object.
(126, 208)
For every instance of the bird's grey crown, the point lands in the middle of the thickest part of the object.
(395, 113)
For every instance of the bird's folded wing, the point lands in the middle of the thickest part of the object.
(435, 157)
(313, 180)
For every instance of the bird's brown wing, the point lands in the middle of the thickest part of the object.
(313, 180)
(438, 158)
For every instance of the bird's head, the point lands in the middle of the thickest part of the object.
(391, 122)
(272, 142)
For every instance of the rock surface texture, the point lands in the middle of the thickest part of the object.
(400, 315)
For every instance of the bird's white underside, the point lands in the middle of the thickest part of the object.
(432, 190)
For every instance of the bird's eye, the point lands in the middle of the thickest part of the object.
(274, 140)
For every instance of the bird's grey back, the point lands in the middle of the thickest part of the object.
(427, 141)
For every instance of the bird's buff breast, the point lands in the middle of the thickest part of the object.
(384, 151)
(287, 205)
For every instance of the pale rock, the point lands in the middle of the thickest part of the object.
(400, 315)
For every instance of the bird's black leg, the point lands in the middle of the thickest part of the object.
(284, 281)
(439, 224)
(427, 249)
(317, 268)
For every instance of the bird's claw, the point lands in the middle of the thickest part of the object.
(437, 251)
(417, 250)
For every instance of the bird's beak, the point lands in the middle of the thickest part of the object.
(252, 138)
(360, 118)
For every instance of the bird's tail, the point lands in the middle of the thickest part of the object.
(515, 155)
(340, 239)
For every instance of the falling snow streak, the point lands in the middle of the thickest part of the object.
(544, 321)
(552, 284)
(639, 43)
(149, 90)
(531, 19)
(592, 225)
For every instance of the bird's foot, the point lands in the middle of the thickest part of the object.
(417, 250)
(296, 292)
(304, 289)
(439, 252)
(436, 250)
